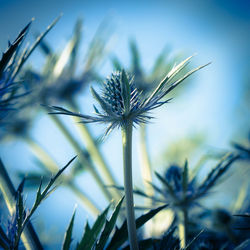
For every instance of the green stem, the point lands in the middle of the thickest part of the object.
(89, 166)
(29, 236)
(95, 152)
(41, 154)
(183, 228)
(52, 166)
(146, 173)
(128, 183)
(145, 162)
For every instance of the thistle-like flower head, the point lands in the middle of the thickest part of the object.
(121, 102)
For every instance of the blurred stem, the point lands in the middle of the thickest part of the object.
(41, 154)
(128, 183)
(29, 236)
(84, 198)
(95, 152)
(145, 161)
(89, 166)
(52, 166)
(183, 227)
(146, 173)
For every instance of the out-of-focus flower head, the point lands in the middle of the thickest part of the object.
(62, 77)
(9, 67)
(146, 80)
(14, 96)
(180, 190)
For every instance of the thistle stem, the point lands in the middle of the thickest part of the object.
(84, 161)
(52, 166)
(29, 236)
(95, 152)
(183, 228)
(128, 183)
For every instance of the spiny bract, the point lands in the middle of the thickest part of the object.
(121, 102)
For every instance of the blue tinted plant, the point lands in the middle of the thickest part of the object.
(123, 106)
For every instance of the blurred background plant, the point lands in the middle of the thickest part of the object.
(207, 118)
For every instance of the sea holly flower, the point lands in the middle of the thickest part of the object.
(121, 101)
(124, 106)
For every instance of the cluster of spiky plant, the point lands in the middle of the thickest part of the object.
(121, 101)
(8, 67)
(123, 106)
(13, 93)
(20, 216)
(63, 76)
(126, 101)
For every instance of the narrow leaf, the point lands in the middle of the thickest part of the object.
(102, 103)
(244, 245)
(68, 235)
(4, 241)
(6, 57)
(46, 190)
(185, 178)
(116, 63)
(177, 82)
(108, 227)
(20, 187)
(35, 44)
(121, 234)
(166, 184)
(168, 77)
(90, 235)
(126, 95)
(136, 67)
(87, 234)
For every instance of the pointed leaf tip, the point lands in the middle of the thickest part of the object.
(68, 234)
(126, 95)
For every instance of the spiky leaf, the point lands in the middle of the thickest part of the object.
(108, 227)
(90, 234)
(6, 57)
(121, 234)
(125, 92)
(185, 177)
(68, 235)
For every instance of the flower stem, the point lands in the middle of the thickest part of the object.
(183, 227)
(146, 173)
(128, 183)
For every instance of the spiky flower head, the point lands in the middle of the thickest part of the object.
(121, 102)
